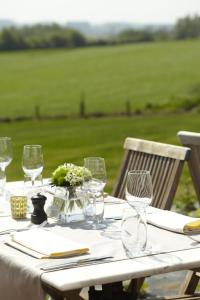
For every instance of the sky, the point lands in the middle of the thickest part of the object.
(98, 11)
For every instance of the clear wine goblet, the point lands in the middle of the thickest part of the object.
(32, 161)
(139, 194)
(5, 160)
(95, 187)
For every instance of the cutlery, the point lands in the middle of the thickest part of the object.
(10, 230)
(76, 263)
(6, 231)
(115, 218)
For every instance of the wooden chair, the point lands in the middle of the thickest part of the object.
(165, 163)
(192, 140)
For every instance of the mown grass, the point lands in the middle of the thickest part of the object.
(54, 79)
(72, 140)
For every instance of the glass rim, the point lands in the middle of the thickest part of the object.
(138, 172)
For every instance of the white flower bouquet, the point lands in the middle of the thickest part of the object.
(70, 175)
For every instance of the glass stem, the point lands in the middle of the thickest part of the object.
(32, 181)
(94, 204)
(142, 227)
(2, 180)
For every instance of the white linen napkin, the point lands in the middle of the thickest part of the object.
(171, 220)
(165, 219)
(42, 243)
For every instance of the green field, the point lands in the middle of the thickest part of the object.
(54, 79)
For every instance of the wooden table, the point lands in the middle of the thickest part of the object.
(74, 279)
(68, 282)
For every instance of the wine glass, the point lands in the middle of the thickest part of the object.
(32, 161)
(5, 160)
(139, 194)
(95, 187)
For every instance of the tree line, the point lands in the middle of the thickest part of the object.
(55, 36)
(185, 28)
(40, 36)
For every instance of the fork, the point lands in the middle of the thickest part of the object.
(76, 263)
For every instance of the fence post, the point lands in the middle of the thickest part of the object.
(82, 105)
(128, 107)
(37, 112)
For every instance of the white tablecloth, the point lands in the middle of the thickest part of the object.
(20, 274)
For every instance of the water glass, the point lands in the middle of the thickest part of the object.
(5, 160)
(32, 161)
(133, 233)
(95, 186)
(139, 194)
(89, 208)
(99, 208)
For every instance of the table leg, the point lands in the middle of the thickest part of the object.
(58, 295)
(111, 291)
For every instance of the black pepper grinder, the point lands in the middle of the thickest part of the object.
(38, 215)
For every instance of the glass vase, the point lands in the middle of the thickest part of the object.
(67, 205)
(73, 209)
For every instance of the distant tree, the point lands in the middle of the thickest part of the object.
(11, 39)
(162, 34)
(100, 42)
(40, 36)
(133, 36)
(187, 27)
(58, 41)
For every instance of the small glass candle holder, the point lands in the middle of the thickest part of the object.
(18, 205)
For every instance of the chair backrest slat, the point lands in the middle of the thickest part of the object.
(160, 181)
(165, 166)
